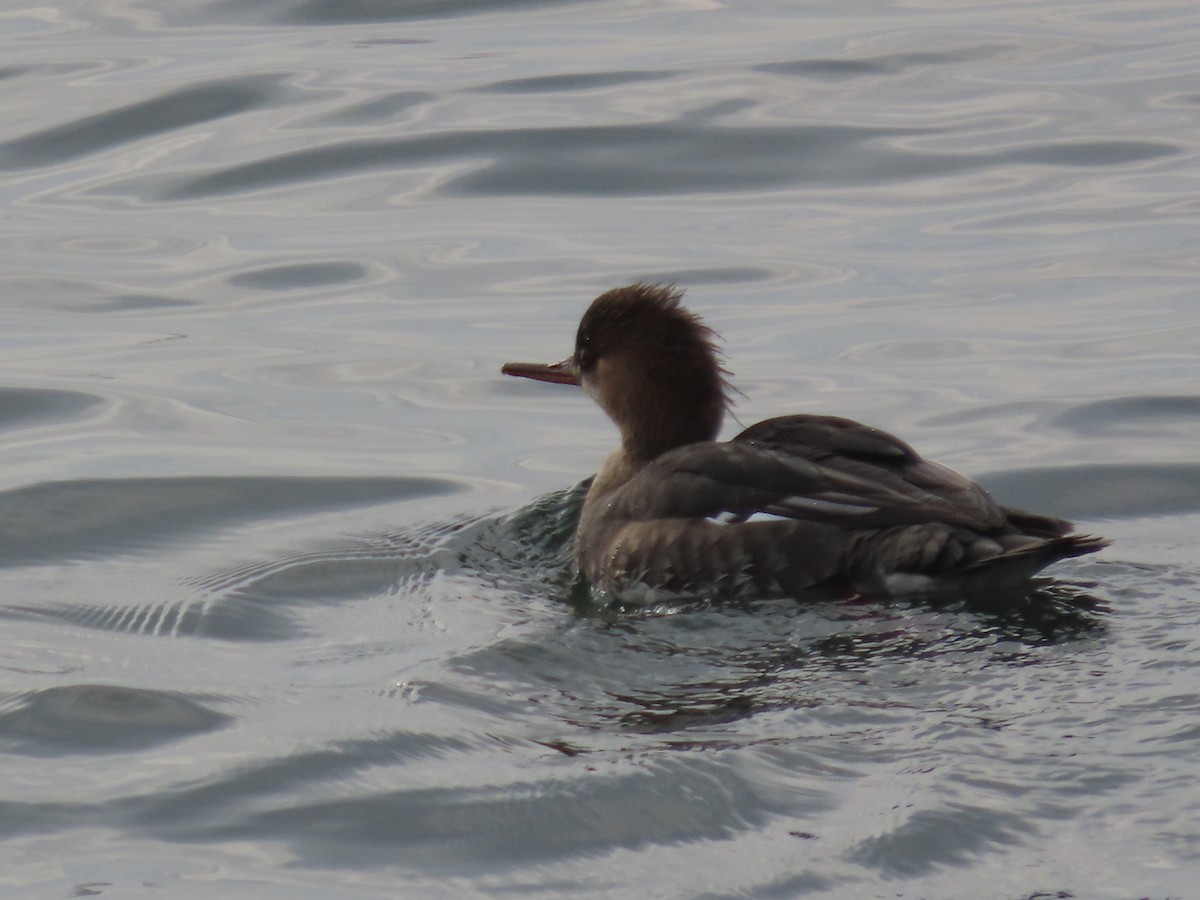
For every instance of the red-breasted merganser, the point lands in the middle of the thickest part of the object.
(790, 504)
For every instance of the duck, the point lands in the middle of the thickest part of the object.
(797, 505)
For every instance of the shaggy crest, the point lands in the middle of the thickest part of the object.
(640, 318)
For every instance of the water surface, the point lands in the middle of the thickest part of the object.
(285, 562)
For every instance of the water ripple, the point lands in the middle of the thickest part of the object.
(634, 159)
(178, 108)
(87, 517)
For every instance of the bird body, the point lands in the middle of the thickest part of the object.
(789, 505)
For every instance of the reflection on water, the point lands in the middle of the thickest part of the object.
(280, 616)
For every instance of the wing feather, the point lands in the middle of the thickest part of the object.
(809, 468)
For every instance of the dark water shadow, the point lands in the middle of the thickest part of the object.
(1146, 416)
(691, 154)
(377, 111)
(347, 12)
(139, 303)
(1100, 491)
(100, 719)
(576, 81)
(954, 835)
(22, 407)
(838, 69)
(180, 108)
(61, 521)
(300, 276)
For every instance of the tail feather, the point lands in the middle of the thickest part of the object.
(1024, 562)
(1038, 525)
(1076, 545)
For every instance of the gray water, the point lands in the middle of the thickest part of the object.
(283, 559)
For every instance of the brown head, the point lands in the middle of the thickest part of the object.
(650, 364)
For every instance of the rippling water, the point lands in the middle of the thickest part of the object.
(284, 561)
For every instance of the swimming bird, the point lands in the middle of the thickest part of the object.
(788, 506)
